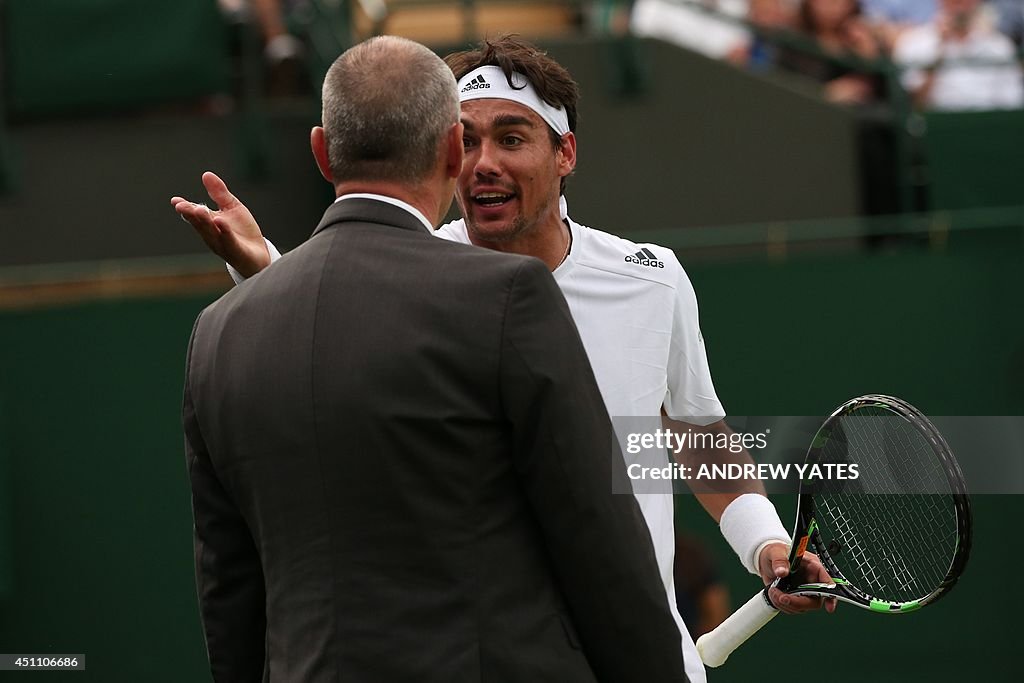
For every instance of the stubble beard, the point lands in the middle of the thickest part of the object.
(514, 230)
(518, 227)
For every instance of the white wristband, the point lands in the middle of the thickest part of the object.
(749, 523)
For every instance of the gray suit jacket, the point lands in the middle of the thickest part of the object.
(402, 468)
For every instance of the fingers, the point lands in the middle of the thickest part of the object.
(218, 191)
(799, 604)
(198, 216)
(796, 604)
(813, 570)
(773, 563)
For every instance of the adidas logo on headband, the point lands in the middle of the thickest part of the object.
(513, 87)
(477, 83)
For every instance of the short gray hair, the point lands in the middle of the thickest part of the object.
(387, 102)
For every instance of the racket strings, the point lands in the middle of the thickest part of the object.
(892, 531)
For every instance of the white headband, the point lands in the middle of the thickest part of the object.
(489, 82)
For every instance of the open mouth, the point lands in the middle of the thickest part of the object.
(492, 199)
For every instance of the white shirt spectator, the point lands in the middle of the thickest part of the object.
(977, 73)
(684, 23)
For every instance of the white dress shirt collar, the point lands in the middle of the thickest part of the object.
(389, 200)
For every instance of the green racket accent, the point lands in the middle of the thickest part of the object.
(841, 582)
(882, 606)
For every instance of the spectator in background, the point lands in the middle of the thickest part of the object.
(960, 61)
(889, 18)
(755, 51)
(282, 52)
(280, 44)
(701, 595)
(838, 28)
(703, 26)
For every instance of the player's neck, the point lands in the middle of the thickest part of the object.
(549, 242)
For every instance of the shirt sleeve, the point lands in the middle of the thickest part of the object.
(238, 277)
(691, 393)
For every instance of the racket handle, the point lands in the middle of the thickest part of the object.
(715, 646)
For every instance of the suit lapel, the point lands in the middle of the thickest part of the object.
(369, 211)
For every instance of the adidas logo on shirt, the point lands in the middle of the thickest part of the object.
(644, 257)
(477, 83)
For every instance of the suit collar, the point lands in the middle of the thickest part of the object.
(367, 210)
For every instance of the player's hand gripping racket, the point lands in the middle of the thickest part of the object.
(893, 540)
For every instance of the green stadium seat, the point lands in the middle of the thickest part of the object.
(68, 56)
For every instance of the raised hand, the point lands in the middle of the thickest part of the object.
(230, 231)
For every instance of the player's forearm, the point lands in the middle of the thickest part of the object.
(715, 502)
(714, 495)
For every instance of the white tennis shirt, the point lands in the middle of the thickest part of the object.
(636, 313)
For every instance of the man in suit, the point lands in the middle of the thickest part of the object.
(389, 485)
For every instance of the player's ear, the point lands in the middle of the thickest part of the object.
(567, 154)
(455, 152)
(318, 141)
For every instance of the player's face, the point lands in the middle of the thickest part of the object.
(510, 178)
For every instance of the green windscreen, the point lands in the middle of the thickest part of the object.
(974, 158)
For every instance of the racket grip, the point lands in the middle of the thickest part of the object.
(715, 646)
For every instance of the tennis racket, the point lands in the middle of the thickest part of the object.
(893, 540)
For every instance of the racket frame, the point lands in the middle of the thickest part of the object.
(807, 537)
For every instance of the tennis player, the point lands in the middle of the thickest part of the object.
(633, 304)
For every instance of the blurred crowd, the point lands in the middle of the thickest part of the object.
(951, 54)
(284, 54)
